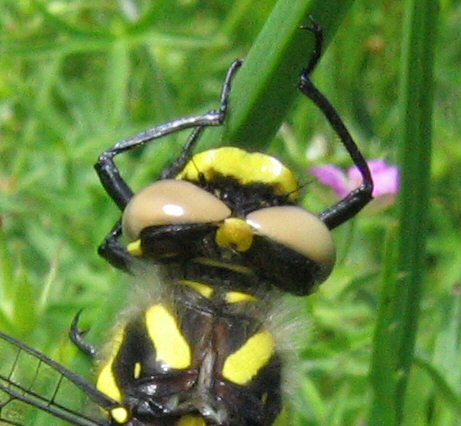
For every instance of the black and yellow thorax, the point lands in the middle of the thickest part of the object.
(199, 356)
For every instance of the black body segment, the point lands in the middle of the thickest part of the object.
(193, 380)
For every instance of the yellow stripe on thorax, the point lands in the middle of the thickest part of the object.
(106, 381)
(239, 297)
(244, 364)
(170, 345)
(203, 289)
(244, 166)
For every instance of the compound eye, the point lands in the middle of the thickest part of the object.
(298, 230)
(169, 202)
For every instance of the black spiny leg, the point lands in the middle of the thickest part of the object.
(188, 150)
(316, 29)
(106, 168)
(357, 199)
(172, 170)
(113, 251)
(77, 337)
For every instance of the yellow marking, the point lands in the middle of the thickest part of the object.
(134, 248)
(169, 343)
(237, 297)
(106, 382)
(231, 266)
(244, 166)
(235, 233)
(191, 421)
(244, 364)
(120, 415)
(137, 370)
(203, 289)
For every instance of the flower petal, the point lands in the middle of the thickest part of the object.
(333, 177)
(385, 177)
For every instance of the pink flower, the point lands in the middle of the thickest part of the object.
(385, 177)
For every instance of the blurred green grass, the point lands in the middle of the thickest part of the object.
(76, 77)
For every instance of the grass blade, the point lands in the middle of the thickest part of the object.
(399, 311)
(266, 86)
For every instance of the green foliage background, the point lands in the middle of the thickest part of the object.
(77, 76)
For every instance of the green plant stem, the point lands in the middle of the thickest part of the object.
(266, 86)
(404, 275)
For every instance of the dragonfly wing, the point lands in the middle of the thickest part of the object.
(32, 384)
